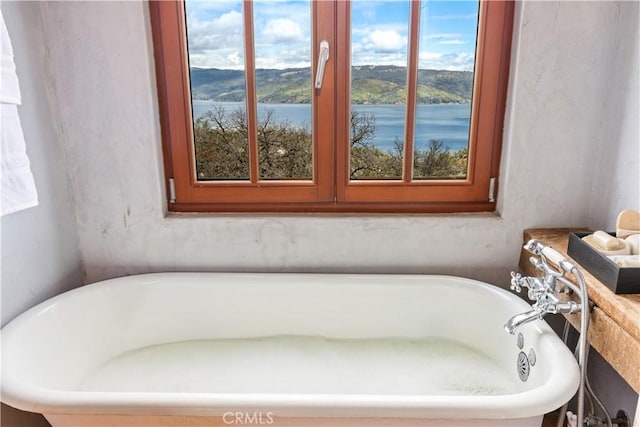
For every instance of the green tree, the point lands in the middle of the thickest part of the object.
(285, 151)
(366, 160)
(222, 147)
(222, 151)
(437, 161)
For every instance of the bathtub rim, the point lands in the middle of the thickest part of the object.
(54, 401)
(296, 405)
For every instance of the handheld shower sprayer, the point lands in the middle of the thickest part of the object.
(545, 290)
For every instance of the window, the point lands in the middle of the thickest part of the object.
(332, 106)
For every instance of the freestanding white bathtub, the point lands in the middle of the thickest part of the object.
(209, 349)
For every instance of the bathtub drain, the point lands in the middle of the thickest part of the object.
(523, 366)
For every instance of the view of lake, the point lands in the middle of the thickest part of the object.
(447, 122)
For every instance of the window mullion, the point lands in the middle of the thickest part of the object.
(412, 83)
(250, 82)
(324, 18)
(343, 99)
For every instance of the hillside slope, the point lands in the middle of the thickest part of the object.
(383, 84)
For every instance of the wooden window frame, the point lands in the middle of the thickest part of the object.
(331, 190)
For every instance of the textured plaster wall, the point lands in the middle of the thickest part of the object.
(617, 181)
(40, 253)
(102, 60)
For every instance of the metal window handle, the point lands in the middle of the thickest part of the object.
(322, 62)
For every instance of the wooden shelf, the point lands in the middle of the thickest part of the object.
(614, 329)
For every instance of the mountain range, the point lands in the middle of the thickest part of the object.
(370, 84)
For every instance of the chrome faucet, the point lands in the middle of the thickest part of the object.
(543, 290)
(521, 319)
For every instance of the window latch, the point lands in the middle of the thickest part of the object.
(492, 190)
(172, 190)
(322, 62)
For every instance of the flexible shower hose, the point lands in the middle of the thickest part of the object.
(582, 349)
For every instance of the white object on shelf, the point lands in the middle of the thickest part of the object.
(627, 223)
(623, 247)
(634, 243)
(626, 261)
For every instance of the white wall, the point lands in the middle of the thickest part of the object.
(40, 253)
(102, 63)
(616, 184)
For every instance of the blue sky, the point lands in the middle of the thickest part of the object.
(379, 33)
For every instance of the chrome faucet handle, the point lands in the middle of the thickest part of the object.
(542, 265)
(516, 281)
(543, 289)
(535, 294)
(547, 253)
(536, 286)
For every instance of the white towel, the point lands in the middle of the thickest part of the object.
(18, 186)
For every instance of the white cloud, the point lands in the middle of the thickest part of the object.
(234, 58)
(444, 38)
(282, 30)
(362, 55)
(283, 41)
(384, 41)
(428, 57)
(287, 58)
(455, 61)
(217, 42)
(217, 33)
(228, 21)
(217, 59)
(281, 63)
